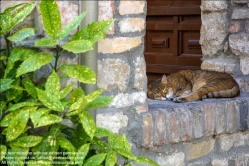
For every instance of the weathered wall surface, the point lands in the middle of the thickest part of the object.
(225, 38)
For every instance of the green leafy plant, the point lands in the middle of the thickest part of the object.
(26, 107)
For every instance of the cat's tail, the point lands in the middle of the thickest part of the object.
(233, 92)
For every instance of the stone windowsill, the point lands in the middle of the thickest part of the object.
(167, 122)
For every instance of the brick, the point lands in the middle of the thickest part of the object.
(185, 122)
(197, 121)
(240, 13)
(214, 6)
(173, 126)
(220, 64)
(141, 108)
(243, 83)
(106, 12)
(240, 1)
(244, 67)
(131, 7)
(118, 45)
(243, 114)
(159, 128)
(231, 117)
(234, 27)
(147, 130)
(195, 151)
(131, 25)
(209, 119)
(220, 120)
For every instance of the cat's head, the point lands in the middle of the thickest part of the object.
(160, 90)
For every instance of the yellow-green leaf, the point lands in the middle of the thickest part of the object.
(5, 84)
(78, 46)
(22, 34)
(30, 87)
(71, 26)
(88, 123)
(44, 42)
(95, 160)
(82, 73)
(17, 125)
(48, 120)
(52, 86)
(51, 17)
(111, 158)
(50, 101)
(100, 101)
(3, 152)
(27, 141)
(36, 115)
(81, 154)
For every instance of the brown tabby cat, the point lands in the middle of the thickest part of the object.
(192, 85)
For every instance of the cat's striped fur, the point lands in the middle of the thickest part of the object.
(192, 85)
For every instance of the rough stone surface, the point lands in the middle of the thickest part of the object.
(244, 64)
(131, 25)
(218, 162)
(235, 140)
(214, 5)
(118, 45)
(209, 119)
(194, 151)
(160, 128)
(227, 65)
(240, 14)
(113, 73)
(128, 99)
(197, 120)
(234, 27)
(247, 27)
(140, 74)
(176, 159)
(243, 83)
(173, 126)
(112, 121)
(239, 44)
(131, 7)
(147, 130)
(231, 117)
(220, 120)
(213, 33)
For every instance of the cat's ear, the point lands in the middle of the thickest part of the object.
(164, 79)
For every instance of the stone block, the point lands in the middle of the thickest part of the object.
(112, 121)
(213, 32)
(173, 126)
(219, 162)
(159, 127)
(175, 159)
(231, 122)
(240, 13)
(239, 44)
(131, 25)
(213, 6)
(118, 44)
(197, 121)
(243, 83)
(140, 81)
(209, 118)
(244, 67)
(128, 99)
(247, 27)
(147, 130)
(106, 12)
(242, 109)
(131, 7)
(240, 1)
(220, 119)
(234, 27)
(113, 73)
(185, 117)
(234, 140)
(197, 150)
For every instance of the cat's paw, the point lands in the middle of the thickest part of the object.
(178, 100)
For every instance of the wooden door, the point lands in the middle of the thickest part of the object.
(172, 37)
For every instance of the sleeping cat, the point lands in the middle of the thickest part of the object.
(192, 85)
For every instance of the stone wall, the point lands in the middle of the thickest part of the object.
(225, 38)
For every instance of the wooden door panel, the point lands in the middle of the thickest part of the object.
(172, 37)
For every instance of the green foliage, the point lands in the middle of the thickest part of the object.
(28, 106)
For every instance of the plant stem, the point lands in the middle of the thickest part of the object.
(7, 45)
(56, 57)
